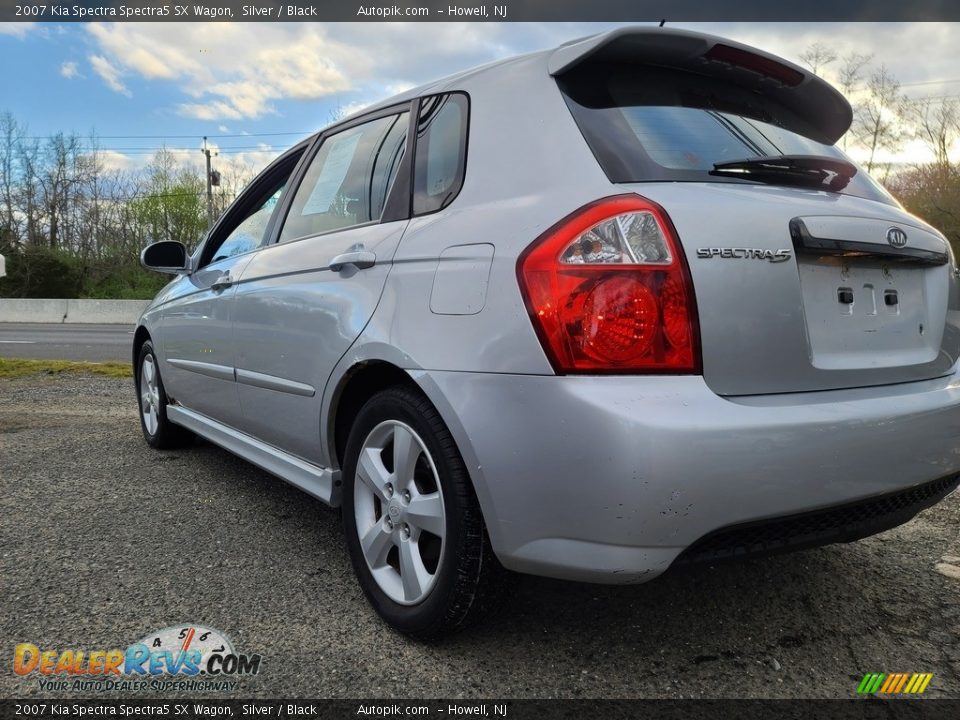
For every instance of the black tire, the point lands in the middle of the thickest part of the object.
(467, 572)
(166, 435)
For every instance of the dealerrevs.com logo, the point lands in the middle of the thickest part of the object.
(187, 657)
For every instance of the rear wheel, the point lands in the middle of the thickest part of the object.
(412, 522)
(159, 432)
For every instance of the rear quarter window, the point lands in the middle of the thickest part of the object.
(441, 151)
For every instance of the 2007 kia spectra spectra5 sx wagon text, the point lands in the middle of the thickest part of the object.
(586, 313)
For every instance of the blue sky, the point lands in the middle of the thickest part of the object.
(248, 79)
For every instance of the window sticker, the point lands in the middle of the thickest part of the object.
(335, 167)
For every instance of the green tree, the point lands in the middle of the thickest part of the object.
(172, 204)
(41, 272)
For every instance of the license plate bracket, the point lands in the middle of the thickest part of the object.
(865, 313)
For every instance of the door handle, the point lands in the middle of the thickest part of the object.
(360, 259)
(222, 283)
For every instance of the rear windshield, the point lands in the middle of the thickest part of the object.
(654, 124)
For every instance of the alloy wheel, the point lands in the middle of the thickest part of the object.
(149, 395)
(399, 512)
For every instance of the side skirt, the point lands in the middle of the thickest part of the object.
(321, 483)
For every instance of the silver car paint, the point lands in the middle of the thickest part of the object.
(596, 478)
(608, 479)
(196, 330)
(323, 312)
(752, 313)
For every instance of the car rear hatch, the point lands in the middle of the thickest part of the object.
(807, 274)
(800, 290)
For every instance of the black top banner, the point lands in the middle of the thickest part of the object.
(475, 10)
(273, 709)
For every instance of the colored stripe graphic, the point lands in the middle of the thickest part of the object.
(901, 683)
(894, 683)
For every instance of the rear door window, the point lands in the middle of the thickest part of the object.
(348, 179)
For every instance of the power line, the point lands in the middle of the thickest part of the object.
(933, 98)
(143, 196)
(169, 148)
(929, 82)
(191, 151)
(178, 137)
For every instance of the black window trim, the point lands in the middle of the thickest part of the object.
(393, 208)
(464, 151)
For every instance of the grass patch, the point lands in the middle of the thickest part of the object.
(17, 367)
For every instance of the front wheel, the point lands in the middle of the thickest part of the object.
(412, 521)
(158, 431)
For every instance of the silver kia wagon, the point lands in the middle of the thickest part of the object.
(590, 313)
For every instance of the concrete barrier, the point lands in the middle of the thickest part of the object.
(28, 310)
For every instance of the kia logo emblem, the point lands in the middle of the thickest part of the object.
(896, 237)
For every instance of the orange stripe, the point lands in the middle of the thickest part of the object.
(188, 640)
(903, 681)
(887, 682)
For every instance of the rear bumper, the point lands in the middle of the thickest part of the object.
(611, 479)
(837, 523)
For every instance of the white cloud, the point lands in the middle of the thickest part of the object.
(341, 111)
(114, 160)
(69, 70)
(232, 71)
(215, 110)
(145, 52)
(110, 74)
(400, 87)
(17, 29)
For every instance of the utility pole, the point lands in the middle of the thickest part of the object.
(206, 152)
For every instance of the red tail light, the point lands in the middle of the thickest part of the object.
(608, 291)
(755, 63)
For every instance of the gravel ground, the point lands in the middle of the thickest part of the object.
(104, 540)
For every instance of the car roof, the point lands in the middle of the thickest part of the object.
(822, 107)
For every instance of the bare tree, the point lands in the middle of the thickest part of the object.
(70, 225)
(11, 135)
(851, 72)
(878, 118)
(30, 203)
(849, 78)
(818, 56)
(937, 124)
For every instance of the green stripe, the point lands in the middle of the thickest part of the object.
(863, 683)
(878, 683)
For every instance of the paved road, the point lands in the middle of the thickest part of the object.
(54, 341)
(103, 540)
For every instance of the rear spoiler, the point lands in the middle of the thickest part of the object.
(822, 113)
